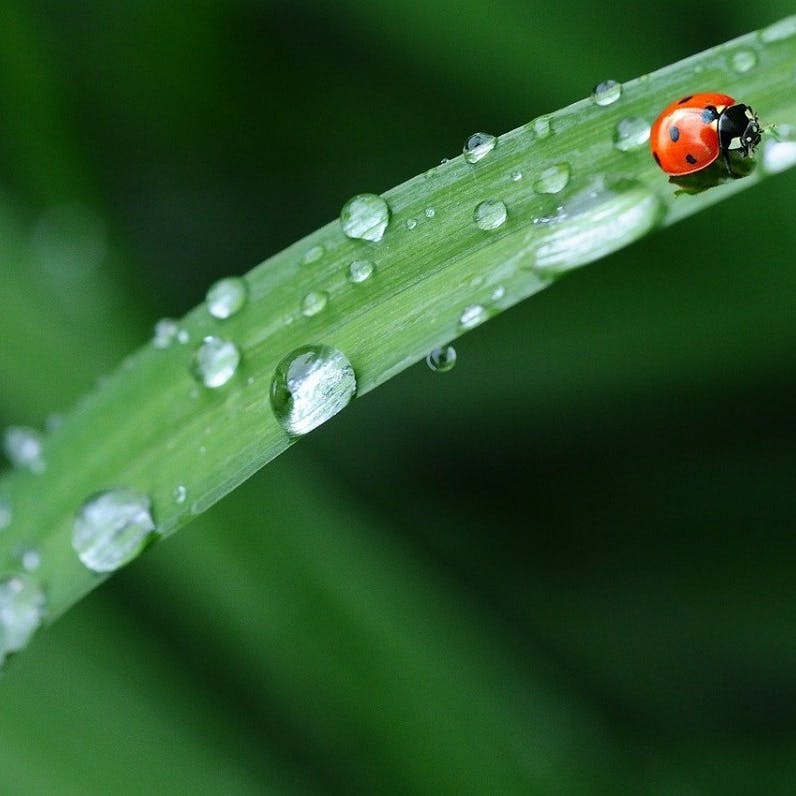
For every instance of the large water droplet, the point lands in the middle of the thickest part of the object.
(553, 179)
(783, 29)
(359, 271)
(744, 60)
(472, 316)
(607, 92)
(22, 606)
(314, 302)
(780, 153)
(478, 146)
(215, 361)
(442, 359)
(365, 217)
(631, 133)
(490, 214)
(310, 385)
(24, 448)
(226, 297)
(111, 528)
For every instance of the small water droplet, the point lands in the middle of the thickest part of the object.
(744, 60)
(6, 515)
(631, 134)
(498, 293)
(165, 332)
(490, 214)
(516, 176)
(111, 528)
(783, 29)
(215, 362)
(180, 493)
(24, 448)
(359, 271)
(314, 302)
(311, 385)
(553, 179)
(226, 297)
(411, 223)
(478, 146)
(779, 150)
(31, 559)
(442, 359)
(183, 336)
(472, 316)
(429, 212)
(607, 92)
(22, 607)
(365, 217)
(541, 127)
(313, 255)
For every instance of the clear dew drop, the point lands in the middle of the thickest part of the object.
(631, 134)
(478, 146)
(226, 297)
(516, 176)
(31, 559)
(607, 92)
(744, 60)
(111, 528)
(6, 515)
(365, 217)
(783, 29)
(429, 212)
(180, 494)
(360, 271)
(490, 214)
(22, 606)
(165, 333)
(541, 127)
(553, 179)
(498, 293)
(472, 316)
(314, 302)
(442, 359)
(215, 362)
(411, 223)
(312, 255)
(311, 385)
(24, 448)
(779, 153)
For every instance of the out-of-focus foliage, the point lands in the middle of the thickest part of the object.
(564, 567)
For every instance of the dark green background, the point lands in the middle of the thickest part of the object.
(565, 567)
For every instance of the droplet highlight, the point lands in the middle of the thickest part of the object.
(365, 217)
(442, 359)
(360, 271)
(314, 302)
(111, 528)
(22, 606)
(24, 448)
(166, 331)
(180, 494)
(631, 134)
(215, 362)
(472, 316)
(490, 214)
(607, 92)
(226, 297)
(478, 146)
(553, 179)
(311, 385)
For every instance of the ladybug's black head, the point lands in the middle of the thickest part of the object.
(739, 129)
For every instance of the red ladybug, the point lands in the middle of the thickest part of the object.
(693, 131)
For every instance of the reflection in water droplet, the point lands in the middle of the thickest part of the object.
(607, 92)
(311, 385)
(553, 179)
(478, 146)
(744, 60)
(24, 448)
(313, 302)
(630, 134)
(111, 528)
(442, 359)
(365, 217)
(472, 316)
(490, 214)
(312, 255)
(226, 297)
(215, 362)
(22, 607)
(359, 271)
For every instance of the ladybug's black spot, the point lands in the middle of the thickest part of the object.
(674, 132)
(690, 159)
(684, 99)
(657, 159)
(710, 114)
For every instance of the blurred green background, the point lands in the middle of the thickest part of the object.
(566, 567)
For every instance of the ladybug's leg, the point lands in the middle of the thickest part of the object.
(725, 154)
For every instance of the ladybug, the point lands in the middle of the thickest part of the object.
(693, 131)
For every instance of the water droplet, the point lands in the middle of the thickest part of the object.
(593, 224)
(314, 302)
(411, 223)
(21, 612)
(783, 29)
(215, 362)
(166, 332)
(180, 494)
(498, 293)
(779, 153)
(541, 127)
(359, 271)
(313, 255)
(226, 297)
(553, 179)
(744, 60)
(429, 212)
(490, 214)
(311, 385)
(31, 559)
(631, 133)
(442, 359)
(6, 515)
(24, 448)
(365, 217)
(472, 316)
(607, 92)
(516, 176)
(478, 146)
(111, 528)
